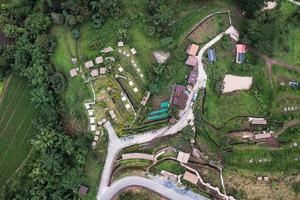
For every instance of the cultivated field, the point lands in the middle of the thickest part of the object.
(17, 115)
(210, 28)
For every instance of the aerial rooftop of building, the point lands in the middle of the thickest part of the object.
(89, 64)
(179, 96)
(192, 49)
(183, 157)
(192, 61)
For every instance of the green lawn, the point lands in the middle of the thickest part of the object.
(289, 50)
(76, 91)
(94, 167)
(16, 126)
(168, 165)
(277, 160)
(219, 108)
(1, 87)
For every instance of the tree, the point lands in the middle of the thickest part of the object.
(57, 82)
(251, 6)
(37, 23)
(264, 31)
(124, 35)
(76, 34)
(188, 133)
(71, 21)
(12, 31)
(154, 88)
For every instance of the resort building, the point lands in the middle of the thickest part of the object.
(192, 78)
(190, 177)
(192, 61)
(107, 50)
(168, 175)
(73, 72)
(89, 64)
(99, 60)
(211, 55)
(240, 53)
(179, 97)
(183, 157)
(192, 49)
(94, 72)
(137, 156)
(254, 121)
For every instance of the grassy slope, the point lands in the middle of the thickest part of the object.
(168, 165)
(220, 108)
(16, 128)
(76, 92)
(289, 50)
(1, 87)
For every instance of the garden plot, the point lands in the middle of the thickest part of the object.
(128, 59)
(210, 28)
(109, 96)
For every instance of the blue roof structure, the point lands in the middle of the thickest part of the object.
(241, 57)
(211, 55)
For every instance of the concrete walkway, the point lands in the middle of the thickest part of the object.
(115, 144)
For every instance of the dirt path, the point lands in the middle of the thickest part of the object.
(289, 124)
(271, 61)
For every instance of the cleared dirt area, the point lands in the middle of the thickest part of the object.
(210, 28)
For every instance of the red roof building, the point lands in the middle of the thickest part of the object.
(192, 49)
(192, 61)
(240, 53)
(179, 96)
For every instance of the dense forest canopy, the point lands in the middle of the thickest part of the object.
(55, 168)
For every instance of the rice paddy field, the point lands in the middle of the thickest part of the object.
(17, 116)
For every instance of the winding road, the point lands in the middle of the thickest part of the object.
(115, 144)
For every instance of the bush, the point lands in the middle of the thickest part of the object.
(76, 34)
(296, 187)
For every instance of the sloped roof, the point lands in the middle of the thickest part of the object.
(241, 48)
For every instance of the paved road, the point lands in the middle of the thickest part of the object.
(115, 144)
(119, 185)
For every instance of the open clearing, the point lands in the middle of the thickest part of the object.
(16, 126)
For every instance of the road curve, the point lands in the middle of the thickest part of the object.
(121, 184)
(115, 144)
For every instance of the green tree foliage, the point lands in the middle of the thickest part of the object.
(55, 167)
(6, 57)
(12, 31)
(188, 133)
(251, 6)
(257, 31)
(162, 15)
(76, 34)
(57, 82)
(296, 187)
(37, 23)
